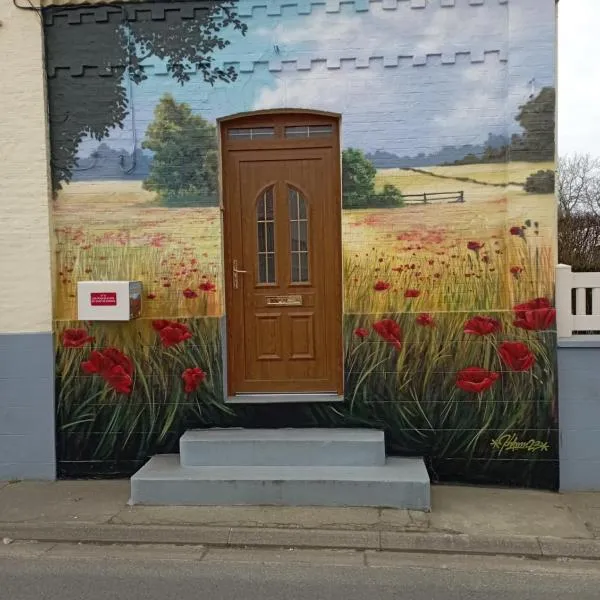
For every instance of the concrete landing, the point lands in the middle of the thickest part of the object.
(400, 483)
(282, 447)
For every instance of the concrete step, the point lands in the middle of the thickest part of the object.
(282, 447)
(400, 483)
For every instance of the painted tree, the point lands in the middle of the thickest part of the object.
(358, 184)
(185, 162)
(111, 46)
(537, 117)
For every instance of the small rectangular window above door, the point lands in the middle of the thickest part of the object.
(251, 133)
(308, 131)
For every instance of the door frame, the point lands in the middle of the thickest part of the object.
(277, 118)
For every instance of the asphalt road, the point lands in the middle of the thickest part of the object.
(67, 572)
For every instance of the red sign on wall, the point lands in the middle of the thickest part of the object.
(103, 298)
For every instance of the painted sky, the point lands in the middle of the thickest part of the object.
(579, 77)
(404, 109)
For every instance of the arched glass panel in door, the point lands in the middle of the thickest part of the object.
(299, 258)
(265, 224)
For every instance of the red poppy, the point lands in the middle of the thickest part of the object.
(113, 366)
(381, 286)
(159, 324)
(75, 338)
(485, 258)
(171, 333)
(390, 331)
(207, 286)
(119, 380)
(189, 293)
(516, 271)
(520, 231)
(516, 356)
(425, 320)
(482, 326)
(96, 364)
(476, 379)
(535, 315)
(119, 359)
(412, 293)
(151, 296)
(361, 332)
(475, 246)
(192, 378)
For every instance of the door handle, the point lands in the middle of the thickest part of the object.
(236, 282)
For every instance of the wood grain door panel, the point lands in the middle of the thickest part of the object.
(284, 313)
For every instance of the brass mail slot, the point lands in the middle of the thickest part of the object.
(284, 301)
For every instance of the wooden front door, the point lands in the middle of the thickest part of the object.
(282, 216)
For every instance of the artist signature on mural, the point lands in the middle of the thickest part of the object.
(511, 443)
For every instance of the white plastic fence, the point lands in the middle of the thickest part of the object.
(582, 315)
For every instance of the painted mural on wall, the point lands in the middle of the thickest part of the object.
(448, 221)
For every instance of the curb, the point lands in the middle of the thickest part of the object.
(410, 542)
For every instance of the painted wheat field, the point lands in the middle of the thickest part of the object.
(432, 352)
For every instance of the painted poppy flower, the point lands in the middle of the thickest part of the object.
(119, 380)
(390, 331)
(425, 320)
(412, 293)
(171, 333)
(381, 286)
(75, 338)
(113, 366)
(189, 293)
(516, 356)
(476, 379)
(117, 358)
(482, 326)
(475, 246)
(535, 315)
(207, 286)
(159, 324)
(485, 258)
(520, 231)
(96, 364)
(151, 296)
(516, 271)
(361, 332)
(192, 378)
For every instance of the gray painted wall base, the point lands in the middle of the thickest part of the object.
(579, 416)
(282, 447)
(27, 433)
(395, 482)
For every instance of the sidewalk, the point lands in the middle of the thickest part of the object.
(464, 520)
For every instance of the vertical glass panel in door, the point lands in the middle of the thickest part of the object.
(265, 230)
(299, 258)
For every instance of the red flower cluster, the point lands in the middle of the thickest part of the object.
(520, 231)
(192, 378)
(482, 326)
(381, 286)
(207, 286)
(425, 320)
(475, 246)
(535, 315)
(189, 293)
(171, 332)
(412, 293)
(113, 366)
(516, 356)
(361, 332)
(75, 338)
(476, 379)
(390, 331)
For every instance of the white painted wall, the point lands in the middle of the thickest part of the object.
(25, 283)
